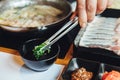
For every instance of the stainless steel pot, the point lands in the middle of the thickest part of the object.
(60, 4)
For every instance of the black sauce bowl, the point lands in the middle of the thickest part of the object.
(42, 64)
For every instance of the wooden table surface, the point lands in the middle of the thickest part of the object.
(58, 61)
(64, 61)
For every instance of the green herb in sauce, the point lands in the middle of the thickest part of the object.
(38, 50)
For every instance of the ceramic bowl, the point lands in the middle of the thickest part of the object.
(44, 62)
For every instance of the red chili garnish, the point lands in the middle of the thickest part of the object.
(113, 75)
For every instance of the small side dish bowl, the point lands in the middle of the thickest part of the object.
(44, 62)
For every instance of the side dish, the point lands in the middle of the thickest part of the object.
(112, 75)
(81, 74)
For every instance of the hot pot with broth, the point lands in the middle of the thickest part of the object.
(31, 17)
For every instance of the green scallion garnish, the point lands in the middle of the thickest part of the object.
(38, 51)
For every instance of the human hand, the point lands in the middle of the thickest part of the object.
(87, 9)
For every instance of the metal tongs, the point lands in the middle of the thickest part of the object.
(65, 29)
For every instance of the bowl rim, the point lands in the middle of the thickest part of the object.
(46, 59)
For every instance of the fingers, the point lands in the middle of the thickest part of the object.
(91, 9)
(74, 14)
(101, 6)
(109, 3)
(81, 6)
(87, 9)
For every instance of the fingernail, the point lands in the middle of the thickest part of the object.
(83, 25)
(90, 20)
(109, 4)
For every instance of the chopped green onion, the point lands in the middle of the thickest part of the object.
(38, 51)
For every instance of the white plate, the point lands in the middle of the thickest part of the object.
(12, 68)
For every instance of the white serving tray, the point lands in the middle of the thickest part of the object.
(13, 68)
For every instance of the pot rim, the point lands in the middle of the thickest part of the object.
(21, 29)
